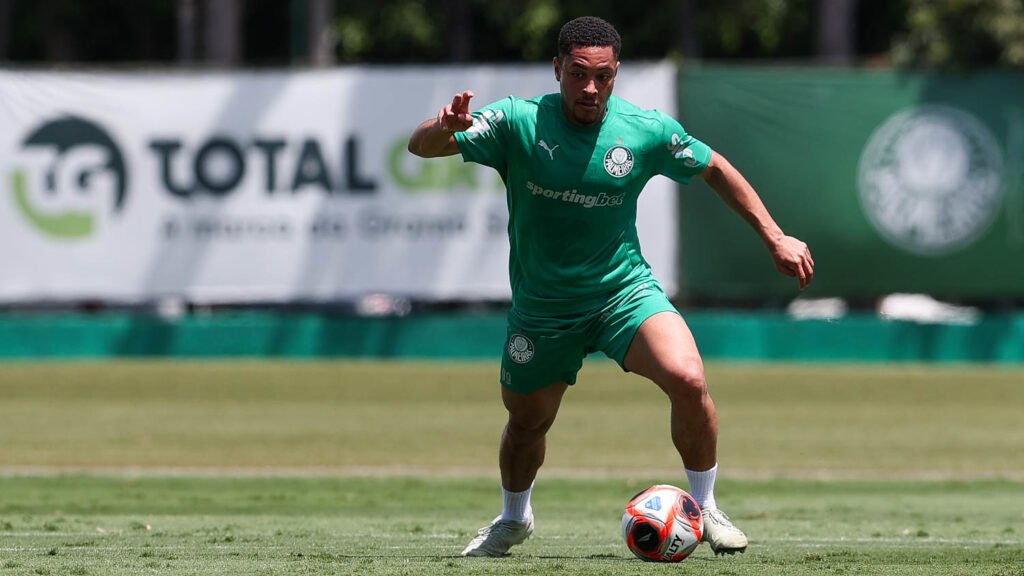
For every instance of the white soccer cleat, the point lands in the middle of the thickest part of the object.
(495, 539)
(720, 533)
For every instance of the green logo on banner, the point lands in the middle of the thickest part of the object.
(930, 180)
(78, 160)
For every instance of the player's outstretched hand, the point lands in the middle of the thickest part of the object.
(793, 258)
(455, 117)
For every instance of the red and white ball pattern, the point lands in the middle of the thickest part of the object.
(662, 524)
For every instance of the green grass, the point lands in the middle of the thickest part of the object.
(283, 526)
(343, 417)
(388, 468)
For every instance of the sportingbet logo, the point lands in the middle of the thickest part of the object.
(573, 197)
(67, 173)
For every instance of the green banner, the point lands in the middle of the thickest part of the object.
(898, 182)
(722, 335)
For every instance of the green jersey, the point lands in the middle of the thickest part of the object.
(572, 195)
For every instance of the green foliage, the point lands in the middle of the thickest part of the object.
(389, 30)
(531, 25)
(912, 33)
(527, 30)
(756, 28)
(960, 34)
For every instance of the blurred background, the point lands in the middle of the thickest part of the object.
(229, 177)
(962, 34)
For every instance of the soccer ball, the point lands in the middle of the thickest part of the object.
(662, 524)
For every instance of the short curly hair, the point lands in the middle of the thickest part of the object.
(588, 31)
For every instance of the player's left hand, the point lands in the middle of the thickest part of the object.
(792, 257)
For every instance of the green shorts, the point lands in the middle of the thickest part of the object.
(541, 352)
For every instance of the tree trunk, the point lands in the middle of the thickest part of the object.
(321, 35)
(687, 37)
(58, 44)
(223, 32)
(459, 30)
(186, 21)
(836, 31)
(5, 28)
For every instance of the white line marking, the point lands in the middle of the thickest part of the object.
(909, 542)
(488, 472)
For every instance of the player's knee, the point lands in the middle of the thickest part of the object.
(528, 428)
(686, 380)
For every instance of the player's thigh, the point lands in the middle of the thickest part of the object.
(664, 350)
(630, 318)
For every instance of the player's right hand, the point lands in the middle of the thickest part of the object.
(793, 258)
(455, 117)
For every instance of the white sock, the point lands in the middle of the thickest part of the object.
(517, 505)
(702, 486)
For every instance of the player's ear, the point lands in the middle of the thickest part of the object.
(558, 69)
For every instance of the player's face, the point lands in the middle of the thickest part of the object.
(586, 76)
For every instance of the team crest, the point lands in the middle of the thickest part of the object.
(520, 349)
(930, 179)
(618, 161)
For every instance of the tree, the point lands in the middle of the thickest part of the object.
(962, 34)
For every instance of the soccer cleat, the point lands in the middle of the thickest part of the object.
(720, 533)
(496, 538)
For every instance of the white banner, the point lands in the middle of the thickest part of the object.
(285, 186)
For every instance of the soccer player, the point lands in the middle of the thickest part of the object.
(574, 164)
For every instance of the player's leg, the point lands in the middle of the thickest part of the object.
(664, 351)
(523, 445)
(523, 442)
(536, 370)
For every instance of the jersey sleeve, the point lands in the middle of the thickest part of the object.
(486, 141)
(680, 156)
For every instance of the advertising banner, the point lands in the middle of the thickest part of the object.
(271, 186)
(899, 182)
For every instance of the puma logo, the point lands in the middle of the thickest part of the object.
(551, 151)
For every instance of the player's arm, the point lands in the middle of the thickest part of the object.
(791, 256)
(436, 137)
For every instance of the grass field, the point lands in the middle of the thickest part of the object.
(388, 468)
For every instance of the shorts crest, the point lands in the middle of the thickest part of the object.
(520, 349)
